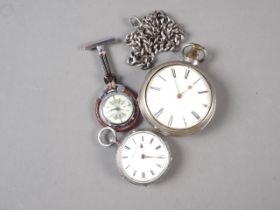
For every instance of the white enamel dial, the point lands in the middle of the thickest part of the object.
(178, 96)
(143, 157)
(117, 108)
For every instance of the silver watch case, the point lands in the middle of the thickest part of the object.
(162, 128)
(118, 158)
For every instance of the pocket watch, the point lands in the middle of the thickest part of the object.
(117, 105)
(176, 97)
(142, 156)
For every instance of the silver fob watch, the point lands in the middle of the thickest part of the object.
(142, 156)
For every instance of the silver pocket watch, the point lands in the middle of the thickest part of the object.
(176, 98)
(142, 156)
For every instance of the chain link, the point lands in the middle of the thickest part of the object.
(154, 33)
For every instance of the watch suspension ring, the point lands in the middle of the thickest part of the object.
(102, 140)
(194, 53)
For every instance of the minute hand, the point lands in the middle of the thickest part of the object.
(175, 81)
(158, 157)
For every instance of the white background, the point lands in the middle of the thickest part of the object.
(49, 155)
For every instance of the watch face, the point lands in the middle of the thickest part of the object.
(116, 108)
(143, 157)
(178, 96)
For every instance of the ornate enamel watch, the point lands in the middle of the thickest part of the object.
(142, 156)
(117, 105)
(176, 97)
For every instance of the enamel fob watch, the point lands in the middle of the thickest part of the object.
(176, 97)
(142, 156)
(117, 105)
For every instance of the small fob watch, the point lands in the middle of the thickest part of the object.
(176, 98)
(142, 156)
(117, 105)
